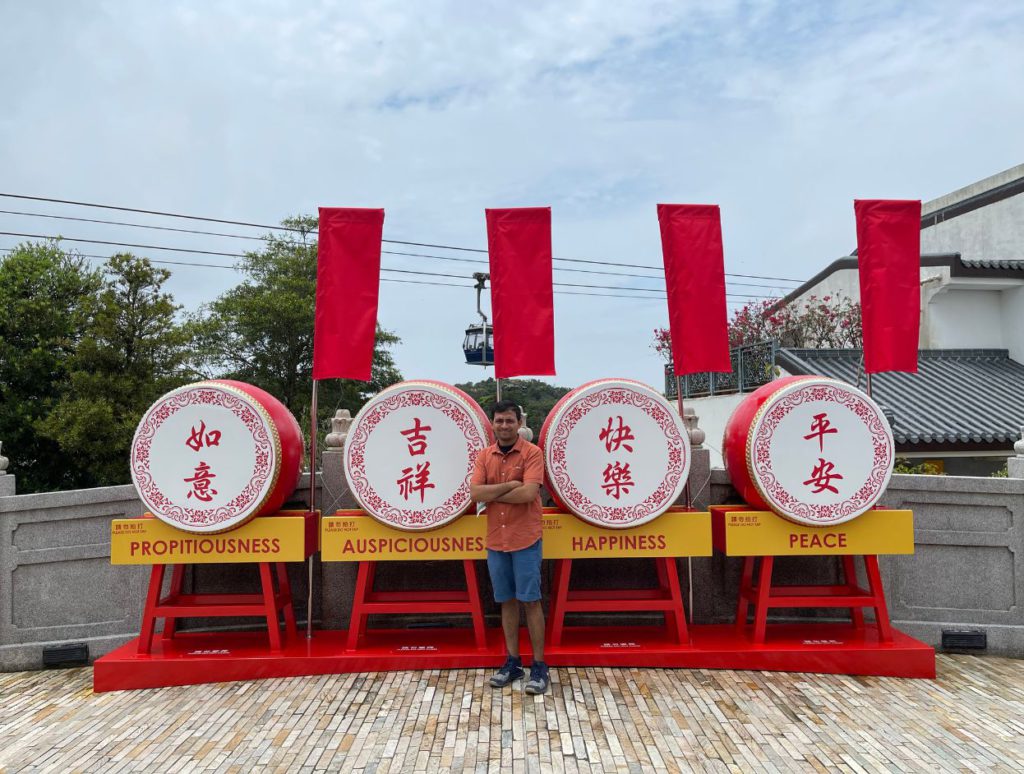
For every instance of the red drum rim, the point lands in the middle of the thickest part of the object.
(556, 414)
(465, 399)
(881, 472)
(275, 443)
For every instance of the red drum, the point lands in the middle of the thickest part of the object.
(207, 457)
(816, 451)
(616, 453)
(410, 452)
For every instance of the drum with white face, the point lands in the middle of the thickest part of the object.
(207, 457)
(816, 451)
(410, 452)
(616, 453)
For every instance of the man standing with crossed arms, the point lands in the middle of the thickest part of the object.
(507, 477)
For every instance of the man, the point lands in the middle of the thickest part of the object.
(507, 476)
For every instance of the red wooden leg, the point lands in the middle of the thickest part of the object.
(357, 621)
(764, 587)
(371, 580)
(563, 570)
(675, 619)
(156, 583)
(850, 576)
(878, 592)
(285, 588)
(270, 605)
(177, 582)
(661, 566)
(553, 607)
(746, 581)
(476, 608)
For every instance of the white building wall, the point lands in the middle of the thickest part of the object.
(713, 413)
(1012, 308)
(993, 232)
(965, 319)
(844, 283)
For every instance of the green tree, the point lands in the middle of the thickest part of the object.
(537, 398)
(47, 301)
(133, 352)
(261, 331)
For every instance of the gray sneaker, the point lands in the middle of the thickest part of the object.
(539, 678)
(511, 671)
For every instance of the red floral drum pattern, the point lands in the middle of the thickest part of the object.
(819, 452)
(209, 456)
(616, 452)
(410, 452)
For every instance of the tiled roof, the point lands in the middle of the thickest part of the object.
(958, 396)
(996, 264)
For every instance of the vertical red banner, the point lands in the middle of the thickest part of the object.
(691, 243)
(347, 289)
(522, 301)
(889, 261)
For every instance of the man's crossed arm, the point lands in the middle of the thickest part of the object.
(506, 492)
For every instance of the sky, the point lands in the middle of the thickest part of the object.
(781, 113)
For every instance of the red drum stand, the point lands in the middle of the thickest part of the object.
(367, 602)
(764, 596)
(269, 604)
(666, 597)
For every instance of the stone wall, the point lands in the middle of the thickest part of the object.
(968, 567)
(57, 584)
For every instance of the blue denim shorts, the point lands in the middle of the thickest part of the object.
(515, 573)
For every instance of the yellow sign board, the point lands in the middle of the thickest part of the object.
(762, 533)
(278, 538)
(352, 536)
(676, 533)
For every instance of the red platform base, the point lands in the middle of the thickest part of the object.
(195, 658)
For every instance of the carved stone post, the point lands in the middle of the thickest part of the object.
(700, 463)
(6, 479)
(1015, 465)
(339, 578)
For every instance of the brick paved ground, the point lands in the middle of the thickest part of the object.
(970, 719)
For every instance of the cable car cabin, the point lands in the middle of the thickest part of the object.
(473, 345)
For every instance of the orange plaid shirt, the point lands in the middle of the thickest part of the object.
(511, 526)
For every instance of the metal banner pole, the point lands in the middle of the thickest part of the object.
(312, 506)
(686, 491)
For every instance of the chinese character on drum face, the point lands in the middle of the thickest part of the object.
(201, 488)
(820, 427)
(416, 437)
(617, 479)
(409, 483)
(821, 477)
(200, 437)
(616, 437)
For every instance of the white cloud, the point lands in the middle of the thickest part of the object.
(780, 112)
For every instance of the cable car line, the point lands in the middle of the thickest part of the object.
(248, 224)
(131, 225)
(403, 281)
(235, 267)
(244, 255)
(390, 270)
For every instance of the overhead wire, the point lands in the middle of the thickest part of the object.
(383, 269)
(473, 261)
(248, 224)
(383, 279)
